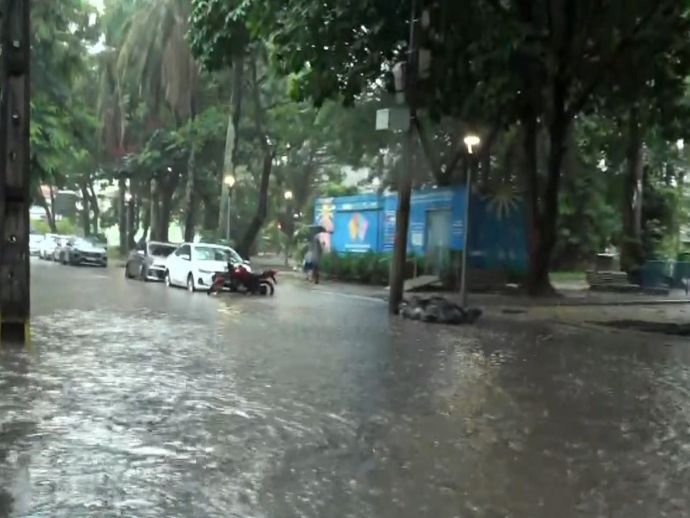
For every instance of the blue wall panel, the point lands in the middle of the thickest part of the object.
(366, 222)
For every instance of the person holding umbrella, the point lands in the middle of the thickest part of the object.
(313, 258)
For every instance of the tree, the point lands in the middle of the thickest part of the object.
(222, 40)
(156, 53)
(561, 57)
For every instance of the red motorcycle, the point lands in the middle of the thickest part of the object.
(239, 278)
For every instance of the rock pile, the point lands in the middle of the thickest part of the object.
(438, 310)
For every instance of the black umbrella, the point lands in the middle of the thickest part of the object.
(315, 229)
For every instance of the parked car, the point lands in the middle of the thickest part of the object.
(61, 247)
(35, 241)
(47, 248)
(79, 250)
(147, 262)
(194, 264)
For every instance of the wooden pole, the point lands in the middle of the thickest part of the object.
(14, 172)
(402, 217)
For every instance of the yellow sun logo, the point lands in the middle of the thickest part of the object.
(503, 200)
(325, 212)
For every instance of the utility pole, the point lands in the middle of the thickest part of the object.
(402, 217)
(14, 171)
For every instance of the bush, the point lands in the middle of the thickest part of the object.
(66, 227)
(370, 268)
(40, 226)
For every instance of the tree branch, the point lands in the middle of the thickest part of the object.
(259, 111)
(597, 77)
(427, 147)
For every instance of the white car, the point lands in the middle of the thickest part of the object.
(48, 246)
(35, 241)
(193, 265)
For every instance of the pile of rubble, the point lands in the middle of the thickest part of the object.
(438, 310)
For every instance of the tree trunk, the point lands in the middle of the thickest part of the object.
(164, 217)
(166, 190)
(49, 213)
(632, 254)
(535, 266)
(210, 220)
(131, 229)
(288, 248)
(232, 137)
(122, 215)
(544, 216)
(51, 192)
(145, 220)
(190, 198)
(262, 208)
(86, 210)
(94, 206)
(154, 210)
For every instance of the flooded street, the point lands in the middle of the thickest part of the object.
(137, 400)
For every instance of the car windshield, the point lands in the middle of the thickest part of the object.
(161, 250)
(88, 242)
(210, 253)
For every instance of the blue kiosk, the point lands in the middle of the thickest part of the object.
(366, 223)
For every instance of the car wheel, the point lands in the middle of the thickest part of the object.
(168, 281)
(190, 283)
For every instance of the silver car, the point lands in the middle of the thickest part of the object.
(147, 261)
(84, 251)
(59, 251)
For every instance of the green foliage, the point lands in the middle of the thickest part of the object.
(40, 226)
(370, 268)
(62, 124)
(68, 227)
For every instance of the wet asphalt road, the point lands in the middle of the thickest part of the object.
(139, 401)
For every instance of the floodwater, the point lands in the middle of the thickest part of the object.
(135, 400)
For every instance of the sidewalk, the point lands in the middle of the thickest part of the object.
(567, 297)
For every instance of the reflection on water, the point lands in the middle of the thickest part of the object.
(143, 413)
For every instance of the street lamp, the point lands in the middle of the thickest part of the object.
(471, 141)
(229, 182)
(288, 195)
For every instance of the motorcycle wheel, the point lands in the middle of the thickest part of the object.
(266, 288)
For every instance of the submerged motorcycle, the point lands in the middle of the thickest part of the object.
(238, 278)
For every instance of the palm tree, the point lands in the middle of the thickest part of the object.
(156, 55)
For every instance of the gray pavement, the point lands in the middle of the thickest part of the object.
(137, 400)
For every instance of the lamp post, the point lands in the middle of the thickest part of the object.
(471, 141)
(289, 228)
(229, 182)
